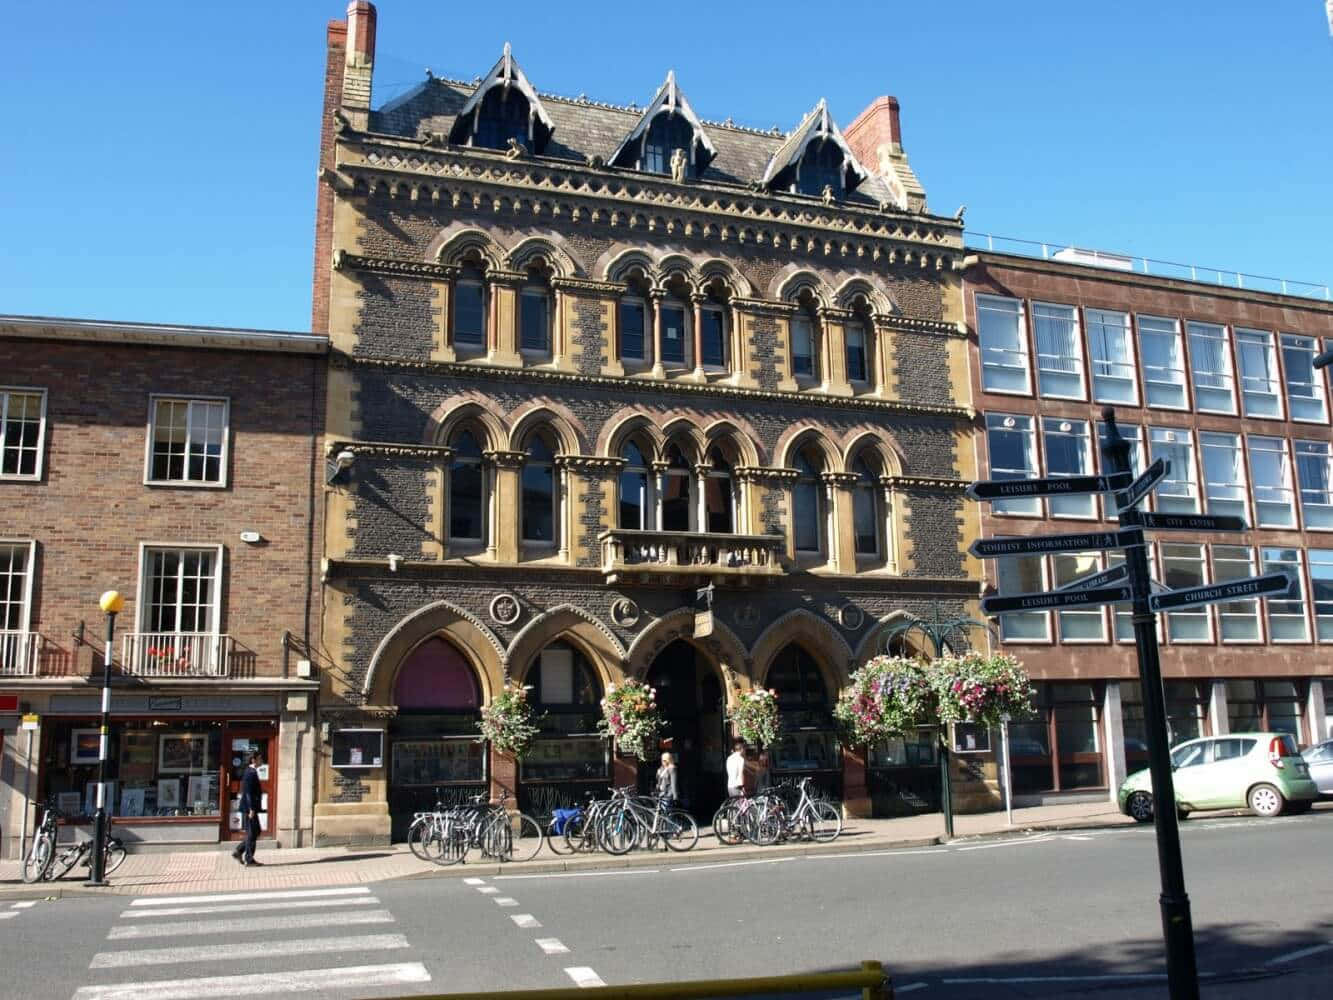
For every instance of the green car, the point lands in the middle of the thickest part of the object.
(1261, 770)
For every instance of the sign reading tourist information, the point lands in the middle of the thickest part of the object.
(1142, 486)
(1192, 522)
(1254, 586)
(994, 548)
(1093, 580)
(1056, 599)
(1008, 489)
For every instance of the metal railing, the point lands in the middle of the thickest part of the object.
(627, 549)
(1146, 265)
(20, 652)
(176, 654)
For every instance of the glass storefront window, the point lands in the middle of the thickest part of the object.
(1265, 706)
(438, 762)
(571, 759)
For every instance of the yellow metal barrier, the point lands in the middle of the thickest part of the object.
(869, 979)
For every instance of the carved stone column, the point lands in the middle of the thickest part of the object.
(698, 302)
(504, 530)
(842, 539)
(700, 496)
(834, 322)
(655, 298)
(659, 491)
(503, 344)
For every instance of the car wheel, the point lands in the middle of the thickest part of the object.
(1266, 801)
(1139, 807)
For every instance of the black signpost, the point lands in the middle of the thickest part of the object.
(1008, 489)
(1236, 590)
(1142, 486)
(1085, 541)
(1056, 599)
(1102, 579)
(1191, 522)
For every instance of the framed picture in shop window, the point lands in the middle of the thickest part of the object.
(85, 746)
(182, 753)
(970, 737)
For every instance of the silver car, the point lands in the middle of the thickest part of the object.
(1320, 759)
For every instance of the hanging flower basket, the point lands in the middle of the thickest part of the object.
(756, 717)
(631, 718)
(980, 688)
(507, 721)
(889, 696)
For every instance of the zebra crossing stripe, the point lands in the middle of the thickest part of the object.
(233, 897)
(584, 977)
(263, 983)
(24, 905)
(525, 920)
(239, 925)
(552, 946)
(7, 914)
(223, 952)
(288, 904)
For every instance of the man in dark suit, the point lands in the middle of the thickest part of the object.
(252, 797)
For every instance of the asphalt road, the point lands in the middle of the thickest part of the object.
(1047, 916)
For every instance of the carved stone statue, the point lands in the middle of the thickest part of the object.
(679, 162)
(828, 194)
(516, 150)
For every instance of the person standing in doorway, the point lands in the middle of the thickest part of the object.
(736, 770)
(668, 789)
(252, 797)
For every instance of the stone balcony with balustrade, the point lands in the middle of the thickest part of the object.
(688, 557)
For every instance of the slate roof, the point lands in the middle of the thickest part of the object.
(586, 128)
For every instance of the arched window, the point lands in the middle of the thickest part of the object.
(854, 335)
(808, 503)
(635, 490)
(804, 356)
(467, 489)
(534, 312)
(633, 317)
(566, 696)
(807, 741)
(719, 497)
(820, 167)
(677, 493)
(674, 314)
(668, 133)
(503, 115)
(469, 301)
(540, 501)
(866, 520)
(713, 328)
(436, 676)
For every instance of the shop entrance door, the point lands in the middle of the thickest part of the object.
(238, 744)
(689, 695)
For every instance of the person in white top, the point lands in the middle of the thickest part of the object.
(736, 770)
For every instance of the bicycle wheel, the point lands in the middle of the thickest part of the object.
(38, 861)
(678, 830)
(618, 831)
(415, 835)
(726, 824)
(826, 822)
(64, 861)
(764, 828)
(525, 838)
(581, 833)
(115, 854)
(558, 840)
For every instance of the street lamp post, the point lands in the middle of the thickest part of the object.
(111, 603)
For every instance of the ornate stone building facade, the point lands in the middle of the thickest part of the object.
(588, 360)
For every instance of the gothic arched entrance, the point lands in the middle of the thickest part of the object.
(692, 701)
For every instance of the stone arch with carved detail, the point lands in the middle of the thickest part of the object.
(478, 644)
(797, 436)
(551, 248)
(722, 647)
(568, 429)
(578, 626)
(452, 243)
(817, 636)
(474, 407)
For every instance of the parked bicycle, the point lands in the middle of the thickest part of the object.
(782, 812)
(48, 860)
(634, 820)
(446, 835)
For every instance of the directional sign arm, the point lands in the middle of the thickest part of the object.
(995, 548)
(1008, 489)
(1056, 599)
(1232, 590)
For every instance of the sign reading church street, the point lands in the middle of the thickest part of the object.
(1192, 522)
(994, 548)
(1006, 489)
(1254, 586)
(1093, 580)
(1056, 599)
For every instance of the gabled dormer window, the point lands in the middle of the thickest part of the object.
(820, 167)
(502, 115)
(814, 159)
(667, 134)
(667, 127)
(504, 109)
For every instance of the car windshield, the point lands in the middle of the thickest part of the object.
(1189, 754)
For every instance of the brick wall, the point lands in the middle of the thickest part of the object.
(91, 509)
(324, 197)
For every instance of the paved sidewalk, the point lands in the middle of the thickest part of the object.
(304, 867)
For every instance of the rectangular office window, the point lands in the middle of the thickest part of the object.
(1163, 362)
(802, 345)
(534, 308)
(633, 315)
(1314, 471)
(1023, 575)
(1321, 578)
(1270, 475)
(1210, 361)
(1182, 566)
(188, 441)
(1068, 453)
(1223, 474)
(855, 336)
(1084, 624)
(673, 333)
(713, 337)
(1178, 493)
(1112, 357)
(181, 589)
(1059, 350)
(1260, 387)
(22, 427)
(1013, 455)
(469, 313)
(1286, 612)
(1305, 386)
(1134, 435)
(1238, 621)
(1004, 350)
(1123, 614)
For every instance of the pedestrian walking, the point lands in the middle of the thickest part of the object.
(252, 797)
(668, 789)
(736, 770)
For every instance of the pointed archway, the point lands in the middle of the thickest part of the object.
(692, 699)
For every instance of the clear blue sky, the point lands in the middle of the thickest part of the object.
(158, 159)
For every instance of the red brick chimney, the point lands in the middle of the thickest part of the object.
(333, 98)
(360, 61)
(876, 137)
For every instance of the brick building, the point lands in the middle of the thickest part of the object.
(175, 465)
(586, 360)
(1219, 381)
